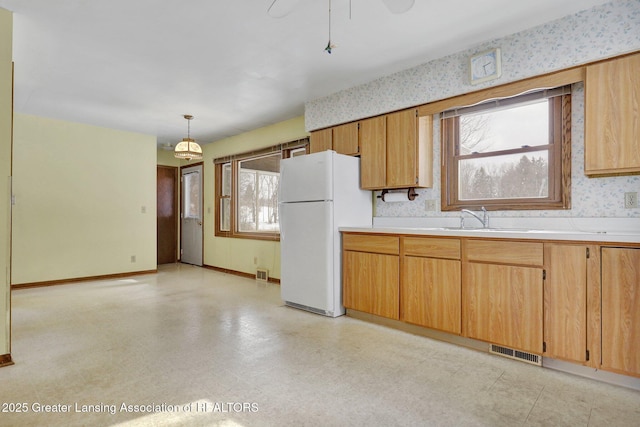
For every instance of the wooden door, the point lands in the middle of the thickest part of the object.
(373, 157)
(504, 305)
(402, 143)
(371, 283)
(345, 139)
(167, 214)
(431, 293)
(565, 302)
(320, 140)
(612, 96)
(621, 310)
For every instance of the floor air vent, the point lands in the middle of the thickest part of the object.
(523, 356)
(262, 274)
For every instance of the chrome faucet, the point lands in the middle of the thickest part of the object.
(484, 220)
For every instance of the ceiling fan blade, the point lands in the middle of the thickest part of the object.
(281, 8)
(398, 6)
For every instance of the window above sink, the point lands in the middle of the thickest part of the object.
(509, 153)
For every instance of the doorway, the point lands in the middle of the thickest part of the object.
(191, 215)
(167, 214)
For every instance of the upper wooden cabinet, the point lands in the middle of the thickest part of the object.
(396, 151)
(373, 153)
(345, 139)
(321, 140)
(612, 116)
(342, 139)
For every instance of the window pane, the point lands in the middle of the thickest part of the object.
(192, 195)
(226, 179)
(225, 214)
(505, 129)
(258, 181)
(510, 176)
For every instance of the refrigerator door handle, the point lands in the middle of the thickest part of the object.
(281, 180)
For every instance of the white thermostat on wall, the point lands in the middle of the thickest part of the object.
(485, 66)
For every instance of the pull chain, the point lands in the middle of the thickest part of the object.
(329, 45)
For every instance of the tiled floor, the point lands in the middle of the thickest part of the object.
(211, 349)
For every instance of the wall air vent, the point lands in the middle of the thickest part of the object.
(522, 356)
(262, 274)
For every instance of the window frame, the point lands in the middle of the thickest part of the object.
(286, 150)
(559, 159)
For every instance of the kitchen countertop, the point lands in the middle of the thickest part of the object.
(507, 233)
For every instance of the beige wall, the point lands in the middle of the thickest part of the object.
(6, 33)
(166, 158)
(79, 192)
(239, 254)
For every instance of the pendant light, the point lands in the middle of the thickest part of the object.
(188, 148)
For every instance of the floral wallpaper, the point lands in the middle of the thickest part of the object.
(590, 197)
(603, 31)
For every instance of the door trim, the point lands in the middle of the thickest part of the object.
(182, 207)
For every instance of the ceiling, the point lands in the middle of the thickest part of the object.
(140, 65)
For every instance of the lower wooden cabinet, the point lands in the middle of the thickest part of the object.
(621, 310)
(568, 313)
(431, 293)
(371, 283)
(575, 301)
(371, 274)
(504, 305)
(502, 285)
(430, 283)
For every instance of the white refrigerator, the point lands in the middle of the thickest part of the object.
(318, 193)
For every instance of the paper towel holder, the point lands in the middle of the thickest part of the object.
(411, 193)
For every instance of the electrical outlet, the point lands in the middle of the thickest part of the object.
(630, 200)
(143, 209)
(430, 205)
(255, 260)
(133, 258)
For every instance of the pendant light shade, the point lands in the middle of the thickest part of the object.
(188, 148)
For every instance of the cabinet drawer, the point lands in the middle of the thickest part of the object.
(431, 247)
(366, 243)
(518, 253)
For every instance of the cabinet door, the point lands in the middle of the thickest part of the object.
(402, 144)
(565, 302)
(320, 140)
(612, 96)
(503, 305)
(373, 158)
(431, 293)
(345, 139)
(621, 310)
(371, 283)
